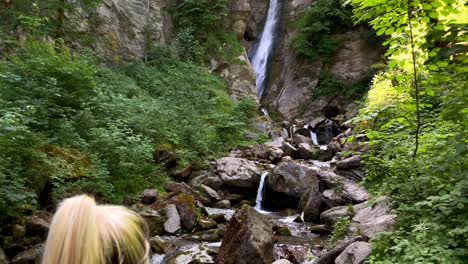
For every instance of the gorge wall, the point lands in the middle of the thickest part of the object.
(127, 29)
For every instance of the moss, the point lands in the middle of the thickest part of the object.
(283, 231)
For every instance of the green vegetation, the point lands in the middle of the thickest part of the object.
(416, 119)
(315, 28)
(339, 231)
(201, 33)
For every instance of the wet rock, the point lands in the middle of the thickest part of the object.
(218, 218)
(299, 139)
(149, 196)
(310, 204)
(210, 193)
(248, 239)
(308, 151)
(275, 154)
(154, 219)
(292, 178)
(238, 172)
(292, 253)
(290, 150)
(349, 163)
(159, 246)
(181, 187)
(195, 254)
(211, 235)
(260, 151)
(303, 132)
(186, 206)
(282, 261)
(205, 224)
(234, 198)
(369, 218)
(29, 256)
(374, 217)
(335, 146)
(211, 180)
(172, 225)
(330, 256)
(38, 224)
(355, 253)
(282, 231)
(333, 199)
(348, 189)
(223, 204)
(319, 229)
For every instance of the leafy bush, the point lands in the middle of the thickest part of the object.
(315, 27)
(68, 124)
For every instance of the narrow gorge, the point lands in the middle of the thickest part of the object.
(241, 131)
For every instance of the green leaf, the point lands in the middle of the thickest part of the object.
(434, 15)
(380, 32)
(389, 31)
(427, 7)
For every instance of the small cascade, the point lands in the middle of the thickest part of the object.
(265, 45)
(313, 135)
(261, 187)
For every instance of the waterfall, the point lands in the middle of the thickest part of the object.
(265, 45)
(261, 187)
(313, 135)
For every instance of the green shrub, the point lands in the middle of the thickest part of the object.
(316, 26)
(72, 125)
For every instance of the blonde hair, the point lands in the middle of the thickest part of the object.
(84, 232)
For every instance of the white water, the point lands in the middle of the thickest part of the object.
(313, 135)
(265, 45)
(261, 187)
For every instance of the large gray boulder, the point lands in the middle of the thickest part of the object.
(350, 191)
(248, 239)
(195, 254)
(349, 163)
(206, 178)
(369, 218)
(293, 178)
(149, 196)
(355, 253)
(310, 204)
(238, 172)
(172, 225)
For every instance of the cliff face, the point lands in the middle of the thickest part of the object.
(126, 28)
(293, 81)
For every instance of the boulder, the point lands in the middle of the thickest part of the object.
(349, 163)
(370, 218)
(206, 223)
(154, 219)
(149, 196)
(186, 206)
(210, 193)
(248, 239)
(348, 190)
(29, 256)
(195, 254)
(333, 199)
(206, 178)
(292, 178)
(319, 229)
(172, 225)
(330, 256)
(38, 224)
(355, 253)
(282, 261)
(310, 204)
(290, 150)
(211, 235)
(292, 253)
(308, 151)
(181, 187)
(275, 154)
(238, 172)
(159, 246)
(299, 139)
(223, 204)
(260, 151)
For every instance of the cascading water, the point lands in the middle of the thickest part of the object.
(265, 45)
(261, 187)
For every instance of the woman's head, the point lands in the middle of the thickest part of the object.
(84, 232)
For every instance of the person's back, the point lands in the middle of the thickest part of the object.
(84, 232)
